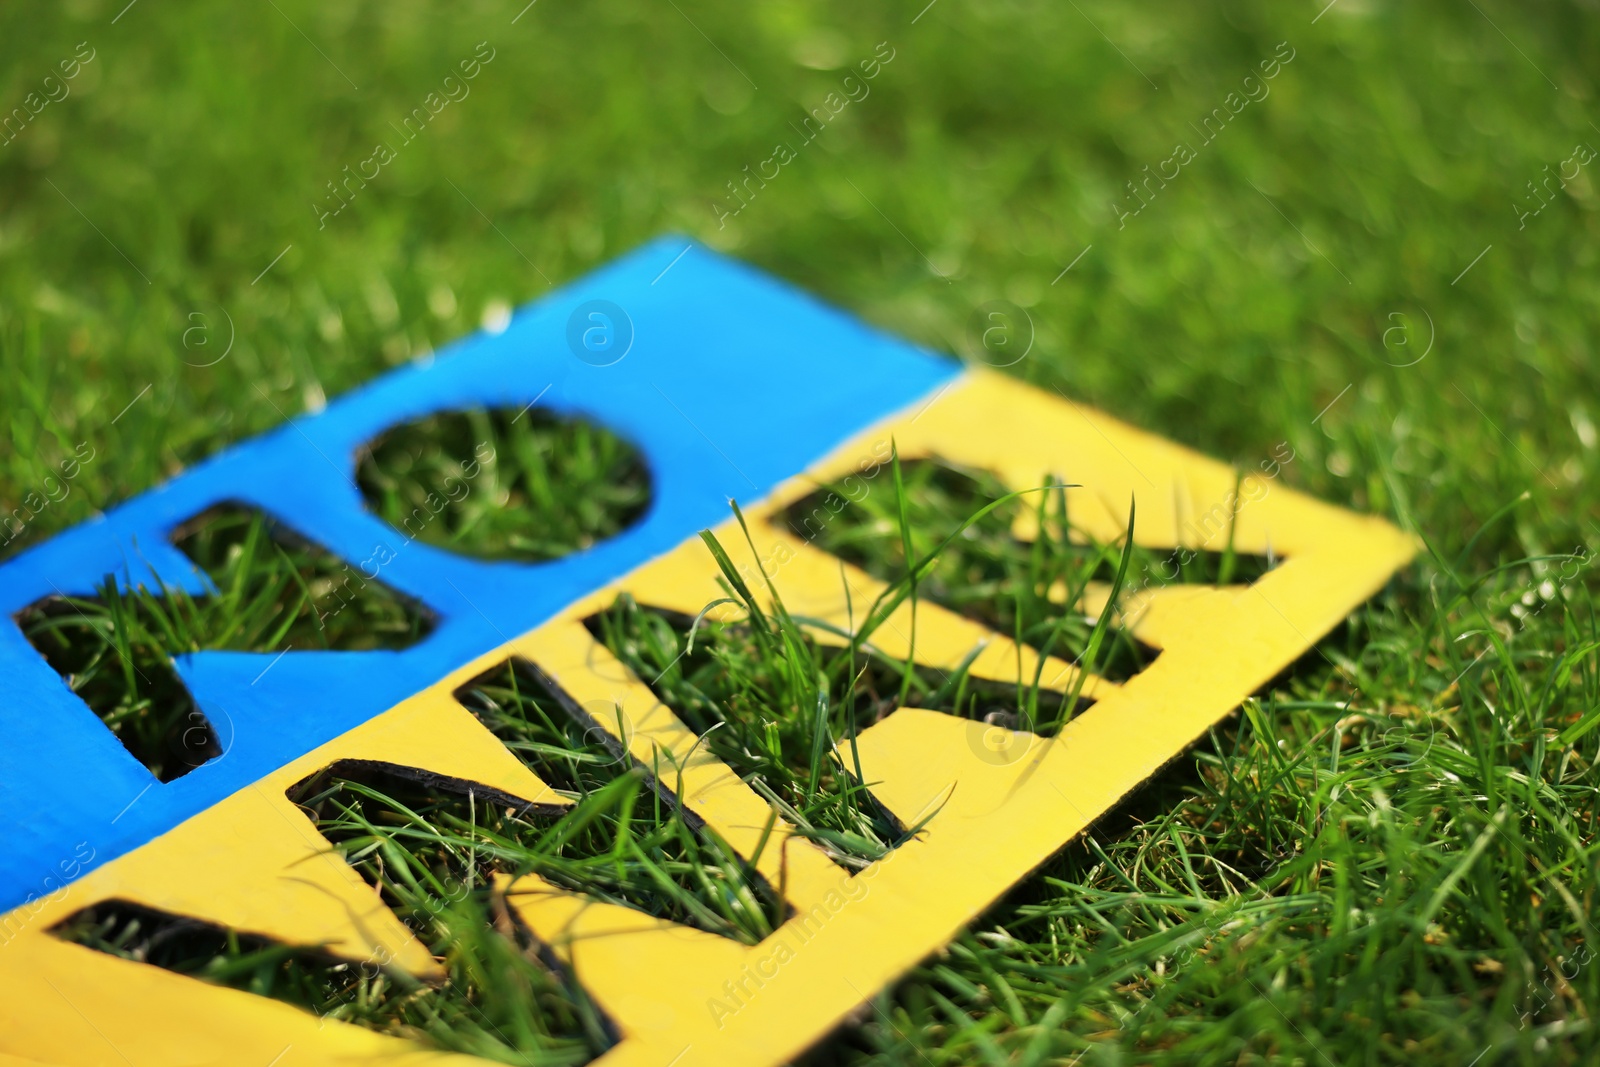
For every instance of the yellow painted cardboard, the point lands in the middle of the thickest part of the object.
(998, 803)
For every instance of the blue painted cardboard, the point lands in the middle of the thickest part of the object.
(733, 382)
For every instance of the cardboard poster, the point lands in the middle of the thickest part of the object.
(690, 343)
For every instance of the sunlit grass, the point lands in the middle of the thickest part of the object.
(1391, 858)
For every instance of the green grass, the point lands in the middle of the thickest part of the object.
(1390, 857)
(433, 849)
(269, 591)
(467, 481)
(1022, 589)
(769, 697)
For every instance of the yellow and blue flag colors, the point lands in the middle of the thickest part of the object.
(676, 348)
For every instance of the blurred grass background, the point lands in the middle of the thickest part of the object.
(193, 147)
(1364, 212)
